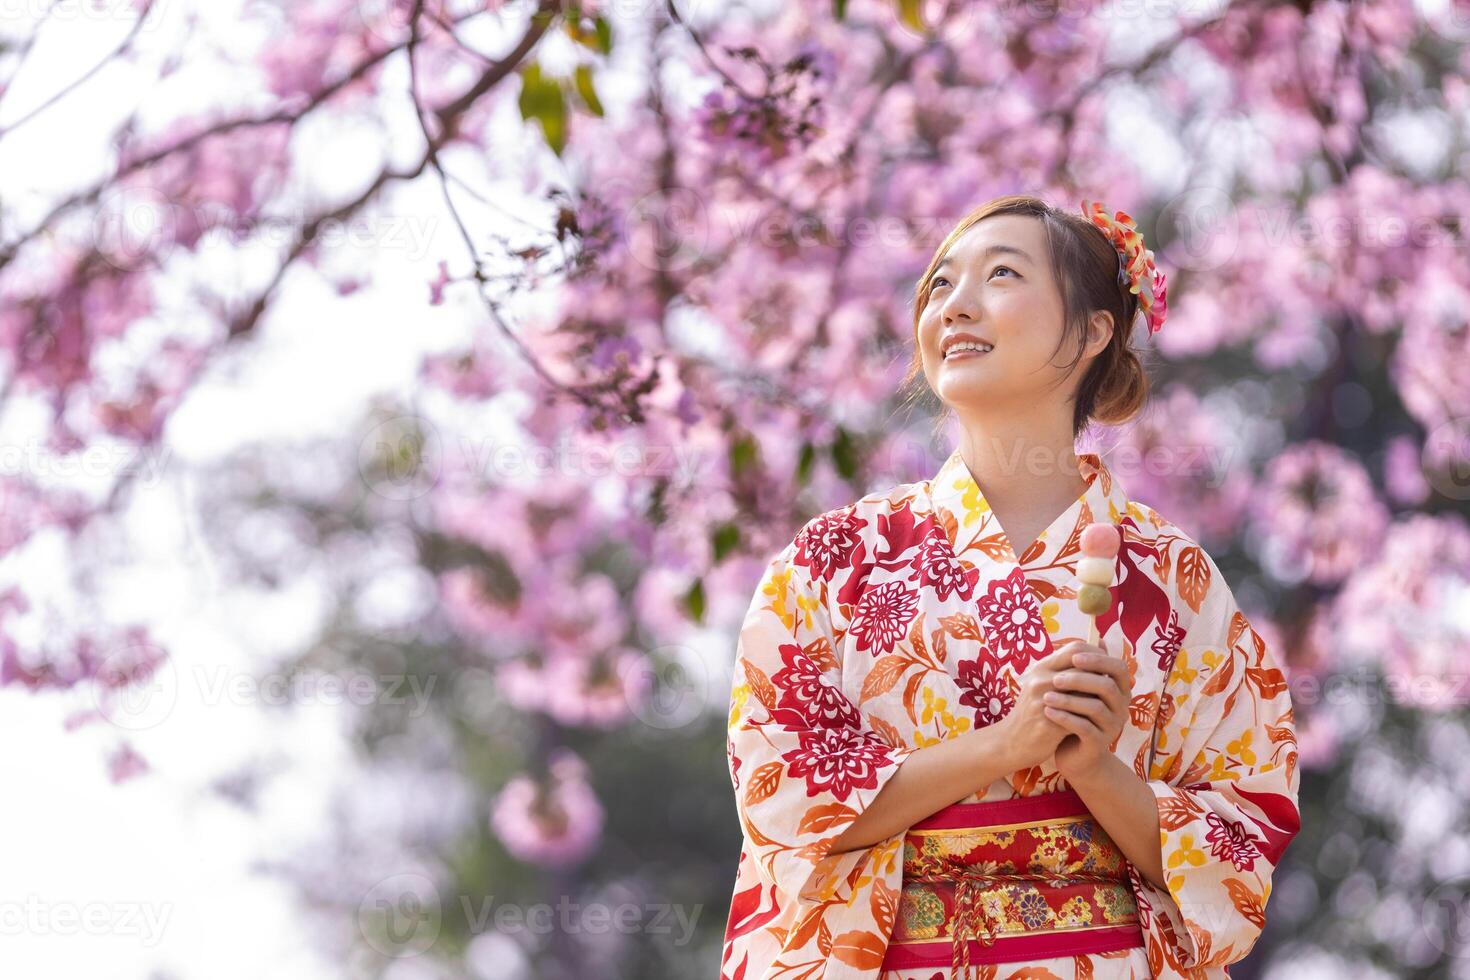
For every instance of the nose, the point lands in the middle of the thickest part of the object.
(958, 305)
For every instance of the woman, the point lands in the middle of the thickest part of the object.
(934, 770)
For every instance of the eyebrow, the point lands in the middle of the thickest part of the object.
(992, 250)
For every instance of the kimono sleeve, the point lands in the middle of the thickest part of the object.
(803, 763)
(1225, 780)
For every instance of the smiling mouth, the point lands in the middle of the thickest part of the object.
(960, 353)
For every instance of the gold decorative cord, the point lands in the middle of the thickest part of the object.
(972, 920)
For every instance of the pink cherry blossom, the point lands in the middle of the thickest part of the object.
(552, 819)
(1318, 513)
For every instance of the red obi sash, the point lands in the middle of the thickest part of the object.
(1008, 881)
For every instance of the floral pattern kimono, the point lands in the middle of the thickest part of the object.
(904, 619)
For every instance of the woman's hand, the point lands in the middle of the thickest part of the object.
(1090, 702)
(1032, 737)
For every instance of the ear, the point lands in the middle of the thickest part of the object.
(1099, 332)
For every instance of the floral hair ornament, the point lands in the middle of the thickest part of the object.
(1136, 266)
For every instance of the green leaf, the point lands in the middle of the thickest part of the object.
(805, 463)
(542, 100)
(910, 14)
(743, 453)
(587, 91)
(725, 539)
(839, 9)
(598, 38)
(844, 454)
(694, 601)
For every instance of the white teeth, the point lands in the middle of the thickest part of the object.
(968, 345)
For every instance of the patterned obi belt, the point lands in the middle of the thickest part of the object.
(1011, 880)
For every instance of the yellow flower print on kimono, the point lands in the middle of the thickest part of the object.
(907, 618)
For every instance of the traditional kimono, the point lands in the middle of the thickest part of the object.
(905, 619)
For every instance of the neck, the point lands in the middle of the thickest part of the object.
(1016, 461)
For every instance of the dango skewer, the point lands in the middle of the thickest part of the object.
(1095, 573)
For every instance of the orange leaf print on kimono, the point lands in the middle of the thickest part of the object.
(907, 618)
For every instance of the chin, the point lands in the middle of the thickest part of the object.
(960, 392)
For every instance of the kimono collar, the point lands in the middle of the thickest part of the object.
(954, 489)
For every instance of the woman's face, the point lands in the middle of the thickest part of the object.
(995, 284)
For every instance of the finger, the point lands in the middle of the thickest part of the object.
(1079, 704)
(1114, 667)
(1099, 659)
(1082, 652)
(1076, 724)
(1067, 720)
(1113, 694)
(1096, 685)
(1082, 681)
(1047, 666)
(1069, 654)
(1058, 659)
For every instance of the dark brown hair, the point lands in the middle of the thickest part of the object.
(1085, 265)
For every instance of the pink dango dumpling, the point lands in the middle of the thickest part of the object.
(1100, 540)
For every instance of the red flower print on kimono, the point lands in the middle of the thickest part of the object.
(1230, 840)
(804, 692)
(837, 760)
(985, 690)
(941, 571)
(900, 532)
(883, 616)
(827, 543)
(897, 534)
(1166, 645)
(1012, 623)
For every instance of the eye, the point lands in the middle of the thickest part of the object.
(934, 283)
(1005, 267)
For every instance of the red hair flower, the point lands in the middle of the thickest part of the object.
(1136, 263)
